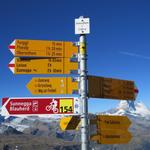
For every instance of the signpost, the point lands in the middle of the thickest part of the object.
(111, 129)
(82, 27)
(59, 57)
(40, 106)
(69, 123)
(43, 66)
(53, 85)
(111, 122)
(100, 87)
(112, 137)
(39, 48)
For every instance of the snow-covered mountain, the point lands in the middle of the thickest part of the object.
(139, 116)
(130, 108)
(47, 128)
(23, 123)
(125, 108)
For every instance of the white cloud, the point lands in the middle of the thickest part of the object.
(134, 55)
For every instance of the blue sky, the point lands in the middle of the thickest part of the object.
(118, 45)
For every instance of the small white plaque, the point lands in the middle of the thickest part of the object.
(82, 26)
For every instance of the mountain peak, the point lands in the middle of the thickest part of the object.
(130, 108)
(127, 105)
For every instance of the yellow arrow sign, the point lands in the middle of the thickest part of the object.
(111, 122)
(42, 66)
(39, 48)
(100, 87)
(112, 137)
(53, 85)
(69, 123)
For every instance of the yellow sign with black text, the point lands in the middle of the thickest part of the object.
(42, 48)
(110, 129)
(101, 87)
(111, 122)
(43, 66)
(66, 105)
(112, 137)
(53, 85)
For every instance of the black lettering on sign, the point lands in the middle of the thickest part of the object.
(57, 70)
(21, 65)
(112, 136)
(23, 45)
(44, 85)
(23, 70)
(43, 80)
(66, 109)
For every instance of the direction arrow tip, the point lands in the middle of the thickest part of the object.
(136, 91)
(4, 100)
(11, 65)
(11, 47)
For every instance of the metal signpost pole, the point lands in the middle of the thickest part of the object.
(83, 89)
(82, 27)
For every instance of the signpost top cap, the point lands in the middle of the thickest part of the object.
(82, 25)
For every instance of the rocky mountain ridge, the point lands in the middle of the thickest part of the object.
(47, 130)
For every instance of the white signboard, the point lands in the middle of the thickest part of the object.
(82, 26)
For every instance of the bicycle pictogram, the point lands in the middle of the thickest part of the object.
(52, 106)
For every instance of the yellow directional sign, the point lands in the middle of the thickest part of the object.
(42, 66)
(53, 85)
(111, 122)
(39, 48)
(112, 137)
(100, 87)
(69, 123)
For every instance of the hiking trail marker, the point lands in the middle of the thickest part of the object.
(112, 137)
(59, 57)
(69, 123)
(101, 87)
(42, 48)
(111, 129)
(43, 66)
(53, 85)
(40, 106)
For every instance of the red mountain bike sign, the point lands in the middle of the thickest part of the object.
(40, 106)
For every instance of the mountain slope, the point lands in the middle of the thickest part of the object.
(137, 109)
(27, 130)
(139, 115)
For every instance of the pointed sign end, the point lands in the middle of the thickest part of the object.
(136, 91)
(11, 66)
(11, 47)
(4, 100)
